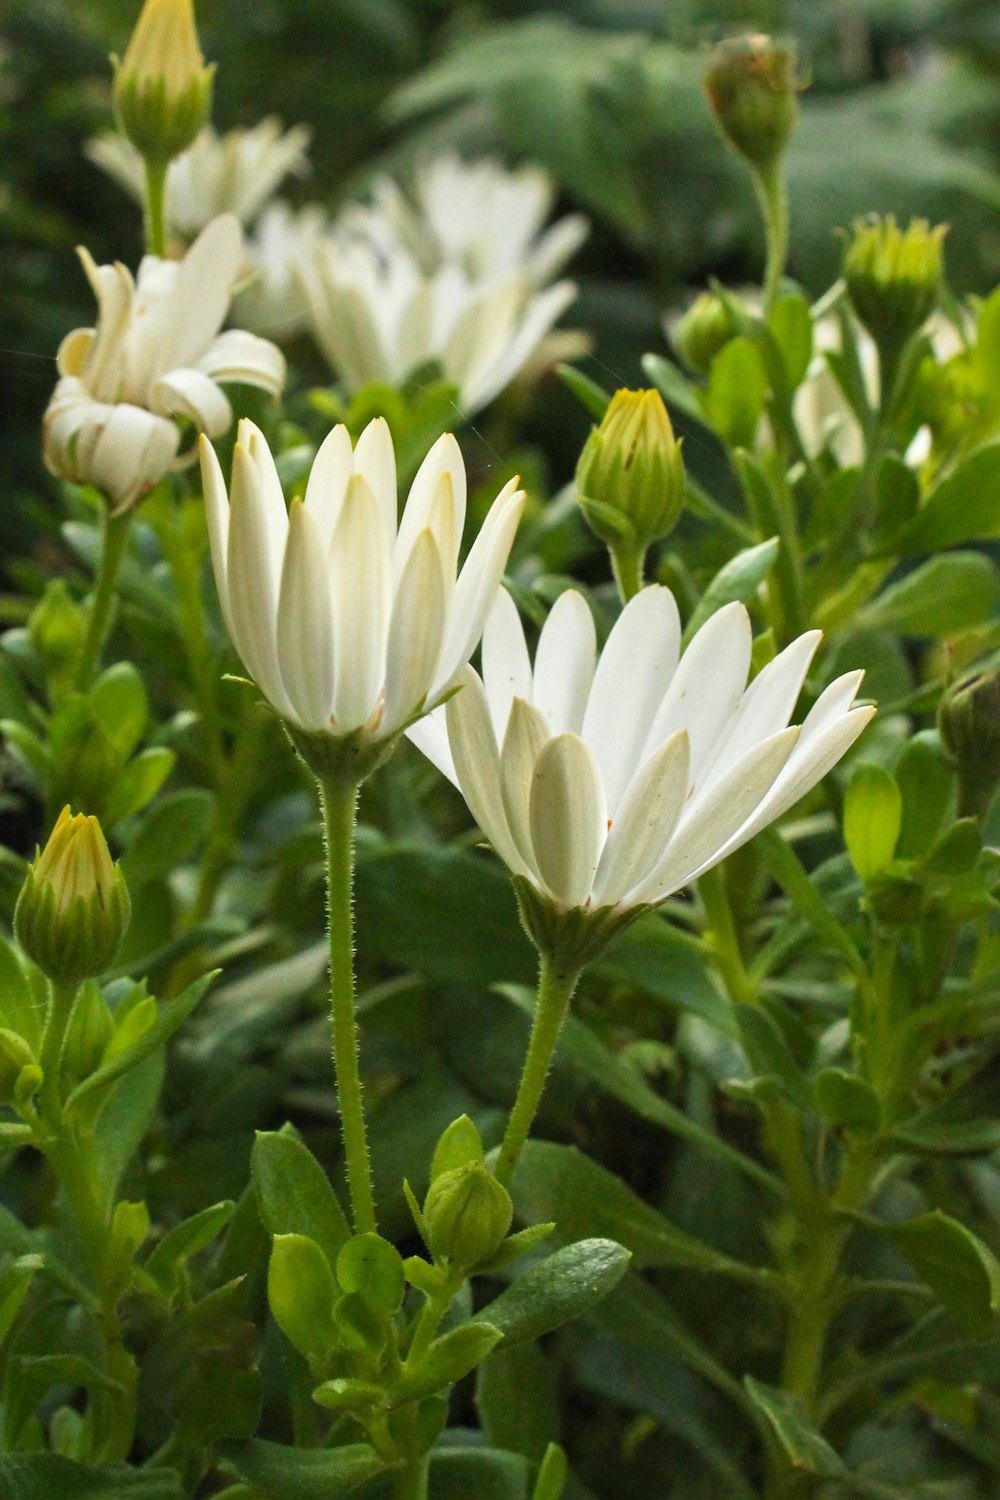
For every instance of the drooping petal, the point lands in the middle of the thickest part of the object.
(133, 451)
(647, 817)
(238, 356)
(375, 458)
(564, 663)
(359, 581)
(305, 623)
(712, 820)
(217, 519)
(444, 458)
(328, 480)
(415, 633)
(523, 743)
(632, 676)
(568, 819)
(253, 565)
(115, 292)
(190, 394)
(707, 687)
(477, 766)
(506, 662)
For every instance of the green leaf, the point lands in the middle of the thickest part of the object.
(294, 1194)
(552, 1475)
(170, 1017)
(873, 812)
(847, 1100)
(18, 1005)
(186, 1239)
(369, 1265)
(175, 828)
(937, 1137)
(676, 390)
(954, 1262)
(301, 1292)
(517, 1401)
(769, 1054)
(926, 787)
(449, 1358)
(138, 783)
(897, 495)
(739, 579)
(790, 323)
(737, 387)
(942, 596)
(558, 1182)
(964, 507)
(479, 1474)
(561, 1287)
(593, 397)
(281, 1473)
(118, 700)
(789, 1420)
(47, 1476)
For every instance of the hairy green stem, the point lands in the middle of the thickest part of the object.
(773, 198)
(114, 537)
(61, 1000)
(339, 802)
(555, 991)
(156, 196)
(627, 563)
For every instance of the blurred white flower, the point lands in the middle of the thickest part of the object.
(457, 275)
(156, 355)
(612, 782)
(233, 173)
(272, 302)
(348, 625)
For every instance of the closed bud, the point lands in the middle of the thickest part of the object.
(57, 628)
(162, 87)
(468, 1214)
(73, 908)
(630, 477)
(893, 275)
(750, 83)
(704, 330)
(969, 722)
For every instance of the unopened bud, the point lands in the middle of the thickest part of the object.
(893, 275)
(468, 1214)
(969, 722)
(73, 908)
(162, 87)
(57, 627)
(750, 83)
(630, 478)
(704, 330)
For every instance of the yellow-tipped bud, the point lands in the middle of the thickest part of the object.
(73, 908)
(630, 478)
(893, 275)
(750, 83)
(162, 88)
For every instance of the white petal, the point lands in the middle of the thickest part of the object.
(133, 451)
(305, 623)
(568, 818)
(477, 766)
(430, 735)
(478, 583)
(766, 706)
(707, 686)
(506, 662)
(328, 480)
(564, 663)
(200, 296)
(632, 676)
(217, 519)
(238, 356)
(444, 458)
(189, 393)
(491, 378)
(523, 743)
(704, 832)
(252, 569)
(415, 633)
(375, 458)
(359, 581)
(647, 817)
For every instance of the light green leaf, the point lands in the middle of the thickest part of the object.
(561, 1287)
(954, 1262)
(873, 814)
(964, 507)
(739, 579)
(942, 596)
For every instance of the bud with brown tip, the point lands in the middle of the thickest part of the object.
(750, 83)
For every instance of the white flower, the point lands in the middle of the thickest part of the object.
(614, 782)
(233, 173)
(156, 355)
(273, 302)
(456, 276)
(346, 624)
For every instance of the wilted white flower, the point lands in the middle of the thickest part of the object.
(613, 782)
(233, 173)
(156, 355)
(273, 302)
(349, 626)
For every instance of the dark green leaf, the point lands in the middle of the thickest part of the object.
(940, 597)
(954, 1262)
(173, 831)
(282, 1473)
(593, 397)
(294, 1194)
(739, 579)
(516, 1400)
(47, 1476)
(963, 507)
(789, 1420)
(561, 1287)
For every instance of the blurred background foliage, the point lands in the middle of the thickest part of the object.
(605, 93)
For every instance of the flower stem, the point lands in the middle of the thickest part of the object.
(411, 1483)
(627, 561)
(555, 991)
(725, 939)
(114, 537)
(339, 803)
(61, 1001)
(156, 195)
(773, 198)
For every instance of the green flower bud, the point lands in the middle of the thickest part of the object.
(969, 722)
(893, 276)
(750, 83)
(630, 478)
(73, 908)
(704, 330)
(162, 88)
(57, 627)
(468, 1214)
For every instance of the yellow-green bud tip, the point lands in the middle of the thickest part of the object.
(73, 908)
(893, 275)
(162, 88)
(751, 86)
(630, 478)
(468, 1214)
